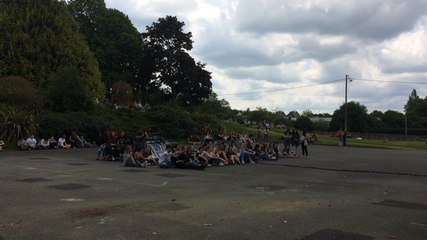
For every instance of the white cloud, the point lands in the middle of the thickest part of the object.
(260, 46)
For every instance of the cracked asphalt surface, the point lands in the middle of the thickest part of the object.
(352, 193)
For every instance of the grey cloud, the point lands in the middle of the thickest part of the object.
(269, 74)
(371, 19)
(223, 50)
(311, 47)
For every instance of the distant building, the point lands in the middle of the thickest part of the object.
(322, 122)
(281, 114)
(321, 119)
(293, 115)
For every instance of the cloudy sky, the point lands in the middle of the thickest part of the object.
(294, 54)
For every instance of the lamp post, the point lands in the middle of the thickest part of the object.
(406, 125)
(345, 117)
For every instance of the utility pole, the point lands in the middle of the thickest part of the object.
(406, 125)
(345, 118)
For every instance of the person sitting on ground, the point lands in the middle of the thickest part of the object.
(256, 153)
(148, 156)
(31, 143)
(288, 154)
(165, 160)
(205, 155)
(221, 156)
(188, 161)
(129, 161)
(244, 155)
(208, 138)
(22, 144)
(102, 144)
(53, 143)
(143, 154)
(43, 144)
(232, 155)
(62, 143)
(1, 145)
(174, 154)
(111, 151)
(86, 143)
(263, 152)
(75, 140)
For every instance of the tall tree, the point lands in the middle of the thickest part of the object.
(114, 40)
(304, 123)
(416, 110)
(168, 65)
(357, 116)
(39, 38)
(393, 119)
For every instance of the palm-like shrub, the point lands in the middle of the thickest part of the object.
(16, 123)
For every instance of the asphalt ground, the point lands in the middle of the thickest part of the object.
(351, 193)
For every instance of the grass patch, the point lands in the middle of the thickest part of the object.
(330, 140)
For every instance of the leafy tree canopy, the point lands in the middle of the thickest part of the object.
(217, 107)
(18, 91)
(67, 92)
(39, 38)
(121, 93)
(169, 66)
(304, 123)
(357, 117)
(114, 40)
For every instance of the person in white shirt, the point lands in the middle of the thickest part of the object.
(62, 143)
(44, 143)
(31, 143)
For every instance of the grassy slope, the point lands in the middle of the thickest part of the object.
(276, 134)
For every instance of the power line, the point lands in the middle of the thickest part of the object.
(376, 80)
(283, 89)
(322, 83)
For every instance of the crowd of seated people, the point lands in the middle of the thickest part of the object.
(74, 141)
(112, 145)
(235, 149)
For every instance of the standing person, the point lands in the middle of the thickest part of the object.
(304, 143)
(344, 138)
(340, 135)
(295, 140)
(258, 134)
(287, 136)
(266, 130)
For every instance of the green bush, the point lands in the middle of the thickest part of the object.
(207, 123)
(304, 123)
(173, 121)
(16, 123)
(67, 92)
(90, 124)
(18, 91)
(123, 119)
(56, 124)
